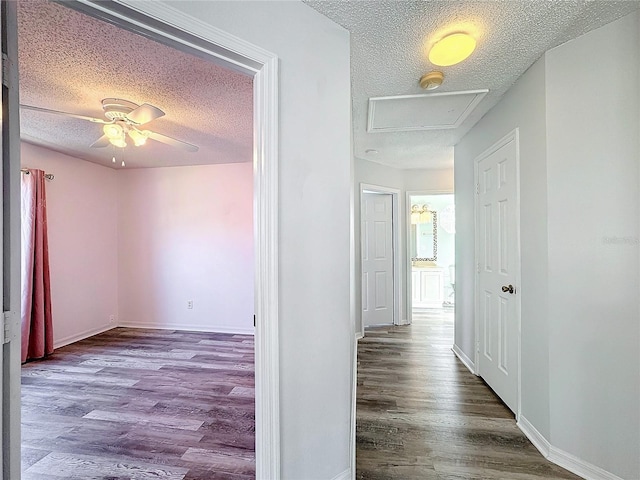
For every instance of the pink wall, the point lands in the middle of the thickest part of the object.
(186, 233)
(83, 248)
(139, 244)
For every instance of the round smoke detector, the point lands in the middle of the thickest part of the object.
(431, 80)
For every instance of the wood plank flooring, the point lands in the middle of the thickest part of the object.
(422, 415)
(141, 404)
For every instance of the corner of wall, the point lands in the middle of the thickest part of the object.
(562, 458)
(346, 475)
(466, 361)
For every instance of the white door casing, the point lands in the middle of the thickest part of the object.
(377, 259)
(498, 269)
(6, 375)
(10, 261)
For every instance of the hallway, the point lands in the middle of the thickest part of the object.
(422, 415)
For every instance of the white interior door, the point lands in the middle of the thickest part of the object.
(377, 259)
(10, 240)
(498, 264)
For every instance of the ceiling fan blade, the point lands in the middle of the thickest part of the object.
(66, 114)
(144, 114)
(158, 137)
(103, 141)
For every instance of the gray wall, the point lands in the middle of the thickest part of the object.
(579, 181)
(592, 166)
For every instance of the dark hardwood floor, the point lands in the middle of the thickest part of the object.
(422, 415)
(141, 404)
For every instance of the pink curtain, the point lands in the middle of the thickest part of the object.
(37, 328)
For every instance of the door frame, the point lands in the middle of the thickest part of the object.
(11, 325)
(514, 135)
(168, 25)
(407, 217)
(395, 235)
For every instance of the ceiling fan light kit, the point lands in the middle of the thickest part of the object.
(113, 130)
(115, 134)
(139, 137)
(452, 49)
(118, 142)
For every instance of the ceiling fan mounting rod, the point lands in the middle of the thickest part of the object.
(116, 108)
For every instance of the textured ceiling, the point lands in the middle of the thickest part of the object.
(390, 41)
(69, 61)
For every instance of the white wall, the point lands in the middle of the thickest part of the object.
(579, 215)
(403, 180)
(83, 249)
(186, 233)
(316, 340)
(522, 107)
(593, 193)
(428, 179)
(377, 174)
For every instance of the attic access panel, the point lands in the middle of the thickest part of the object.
(431, 111)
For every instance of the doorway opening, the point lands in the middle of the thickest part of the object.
(431, 245)
(219, 47)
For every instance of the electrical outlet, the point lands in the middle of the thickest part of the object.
(190, 304)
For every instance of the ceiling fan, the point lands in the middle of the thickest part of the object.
(124, 119)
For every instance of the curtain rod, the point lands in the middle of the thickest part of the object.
(48, 176)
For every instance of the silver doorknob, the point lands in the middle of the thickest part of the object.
(508, 288)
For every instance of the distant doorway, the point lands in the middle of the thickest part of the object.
(431, 243)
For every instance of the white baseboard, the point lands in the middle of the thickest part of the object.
(578, 466)
(538, 440)
(352, 433)
(404, 321)
(190, 328)
(346, 475)
(464, 359)
(359, 336)
(561, 458)
(82, 335)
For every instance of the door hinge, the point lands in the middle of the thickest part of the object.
(8, 326)
(477, 268)
(5, 70)
(477, 189)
